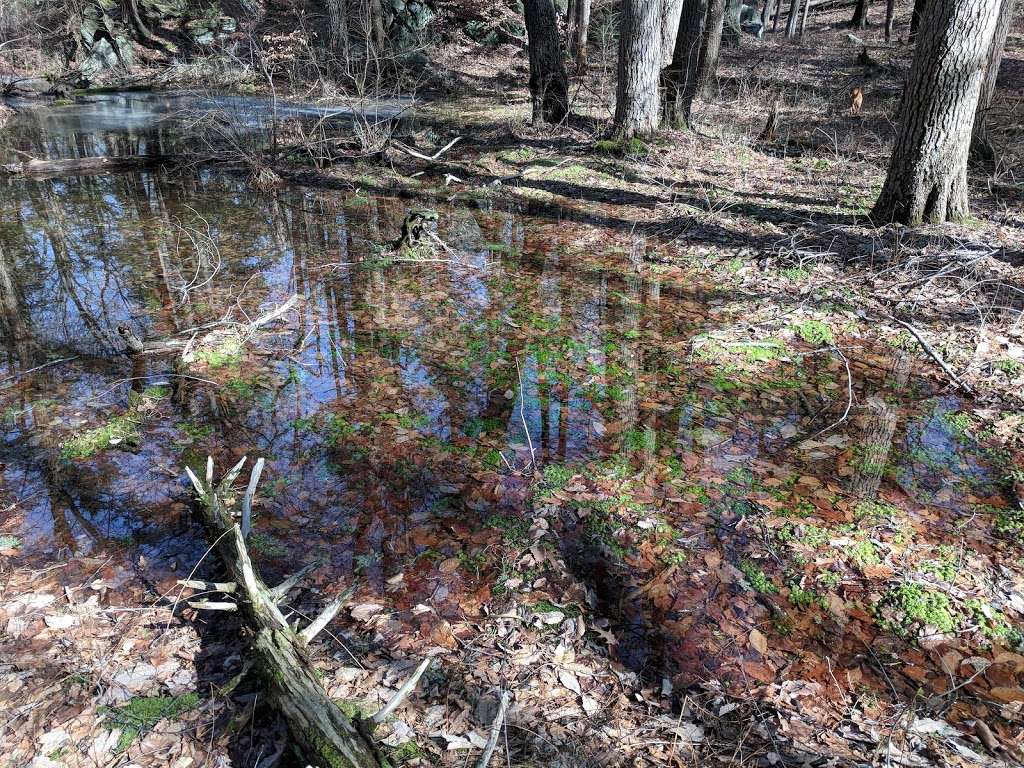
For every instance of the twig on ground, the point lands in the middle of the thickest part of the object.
(934, 355)
(404, 691)
(492, 741)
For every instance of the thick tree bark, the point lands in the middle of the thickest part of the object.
(982, 149)
(890, 17)
(549, 86)
(579, 28)
(916, 15)
(337, 31)
(776, 15)
(803, 20)
(793, 20)
(927, 177)
(860, 15)
(681, 75)
(636, 102)
(670, 12)
(710, 46)
(376, 13)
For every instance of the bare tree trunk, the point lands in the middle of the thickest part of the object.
(681, 74)
(549, 86)
(775, 16)
(927, 177)
(793, 20)
(578, 30)
(765, 10)
(670, 12)
(710, 46)
(636, 99)
(890, 18)
(982, 149)
(916, 15)
(860, 15)
(337, 32)
(803, 21)
(377, 25)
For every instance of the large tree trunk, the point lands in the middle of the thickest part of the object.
(732, 29)
(927, 178)
(681, 75)
(982, 149)
(337, 32)
(636, 99)
(670, 13)
(794, 19)
(915, 17)
(860, 15)
(578, 30)
(710, 45)
(376, 12)
(890, 17)
(549, 86)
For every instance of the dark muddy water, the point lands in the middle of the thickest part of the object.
(389, 405)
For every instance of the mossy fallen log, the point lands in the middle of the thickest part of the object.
(321, 731)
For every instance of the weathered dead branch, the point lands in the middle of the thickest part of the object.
(323, 733)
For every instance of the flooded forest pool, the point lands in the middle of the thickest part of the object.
(702, 475)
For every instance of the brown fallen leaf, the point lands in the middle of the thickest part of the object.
(758, 641)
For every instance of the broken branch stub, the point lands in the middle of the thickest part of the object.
(321, 731)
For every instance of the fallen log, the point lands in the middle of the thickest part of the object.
(81, 165)
(321, 731)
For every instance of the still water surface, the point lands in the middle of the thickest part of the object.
(389, 406)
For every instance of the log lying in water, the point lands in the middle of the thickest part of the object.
(324, 735)
(78, 165)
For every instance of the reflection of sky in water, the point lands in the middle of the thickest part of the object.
(431, 328)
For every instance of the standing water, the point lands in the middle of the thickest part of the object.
(412, 415)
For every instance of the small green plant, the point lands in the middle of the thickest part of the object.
(814, 332)
(227, 352)
(993, 624)
(546, 606)
(405, 752)
(622, 148)
(914, 607)
(195, 431)
(119, 430)
(802, 599)
(1009, 522)
(265, 544)
(365, 560)
(830, 579)
(520, 155)
(138, 716)
(757, 579)
(516, 530)
(864, 553)
(1010, 367)
(555, 477)
(242, 388)
(944, 564)
(815, 537)
(9, 542)
(795, 273)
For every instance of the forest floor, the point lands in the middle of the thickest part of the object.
(801, 619)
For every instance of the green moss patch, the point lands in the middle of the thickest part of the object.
(140, 715)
